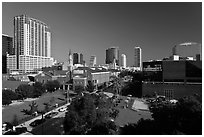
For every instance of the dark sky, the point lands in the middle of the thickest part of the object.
(90, 28)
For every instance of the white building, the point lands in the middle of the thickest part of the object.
(138, 57)
(123, 61)
(32, 45)
(70, 61)
(92, 61)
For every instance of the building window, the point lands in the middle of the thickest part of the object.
(169, 93)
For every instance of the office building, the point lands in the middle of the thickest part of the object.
(92, 61)
(187, 51)
(78, 58)
(70, 61)
(173, 79)
(138, 57)
(123, 61)
(111, 54)
(32, 45)
(7, 48)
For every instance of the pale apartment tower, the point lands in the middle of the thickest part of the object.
(123, 61)
(32, 45)
(70, 61)
(92, 61)
(138, 57)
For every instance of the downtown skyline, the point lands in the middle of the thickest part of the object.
(91, 28)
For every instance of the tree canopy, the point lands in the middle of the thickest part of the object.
(185, 117)
(89, 114)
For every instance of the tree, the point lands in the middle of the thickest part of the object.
(78, 89)
(51, 86)
(47, 107)
(135, 86)
(8, 96)
(38, 89)
(90, 86)
(33, 108)
(185, 117)
(117, 85)
(86, 115)
(25, 91)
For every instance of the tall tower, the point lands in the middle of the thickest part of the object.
(138, 57)
(92, 61)
(70, 61)
(7, 48)
(32, 45)
(123, 61)
(78, 58)
(111, 54)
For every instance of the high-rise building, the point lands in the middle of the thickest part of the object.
(78, 58)
(32, 44)
(188, 49)
(70, 61)
(7, 45)
(138, 57)
(92, 61)
(111, 54)
(7, 48)
(123, 61)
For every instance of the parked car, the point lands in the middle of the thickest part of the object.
(20, 130)
(17, 131)
(51, 114)
(37, 122)
(62, 109)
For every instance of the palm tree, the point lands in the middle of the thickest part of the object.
(117, 85)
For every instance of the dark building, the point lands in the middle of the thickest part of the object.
(182, 71)
(78, 58)
(173, 79)
(111, 54)
(7, 48)
(152, 71)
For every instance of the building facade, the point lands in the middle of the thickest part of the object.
(172, 79)
(188, 50)
(70, 61)
(92, 61)
(78, 58)
(7, 48)
(97, 75)
(138, 57)
(32, 45)
(111, 54)
(123, 61)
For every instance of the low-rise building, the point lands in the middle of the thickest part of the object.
(97, 75)
(41, 77)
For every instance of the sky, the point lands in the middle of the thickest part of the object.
(92, 27)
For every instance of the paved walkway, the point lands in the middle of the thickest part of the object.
(27, 123)
(140, 105)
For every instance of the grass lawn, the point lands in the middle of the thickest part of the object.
(54, 126)
(9, 112)
(12, 84)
